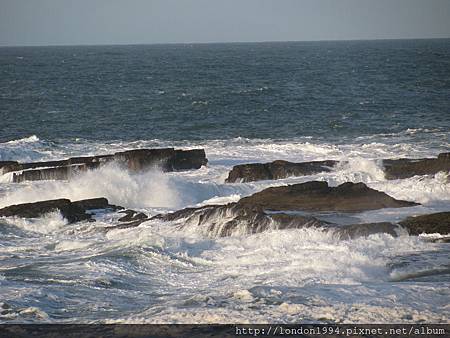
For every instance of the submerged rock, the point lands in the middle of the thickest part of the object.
(277, 170)
(132, 215)
(366, 229)
(167, 159)
(131, 219)
(318, 196)
(428, 224)
(72, 211)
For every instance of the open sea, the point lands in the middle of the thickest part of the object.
(360, 101)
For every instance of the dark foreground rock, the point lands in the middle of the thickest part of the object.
(167, 159)
(393, 168)
(72, 211)
(318, 196)
(234, 219)
(75, 211)
(268, 210)
(428, 224)
(277, 170)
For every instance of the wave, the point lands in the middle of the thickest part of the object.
(421, 189)
(151, 189)
(119, 186)
(29, 139)
(45, 224)
(233, 150)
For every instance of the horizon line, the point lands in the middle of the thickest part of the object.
(217, 42)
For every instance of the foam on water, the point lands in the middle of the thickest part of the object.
(181, 274)
(48, 223)
(120, 187)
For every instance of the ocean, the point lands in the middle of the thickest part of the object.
(358, 101)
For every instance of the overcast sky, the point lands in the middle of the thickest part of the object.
(50, 22)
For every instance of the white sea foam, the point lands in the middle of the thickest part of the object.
(421, 189)
(359, 169)
(283, 276)
(45, 224)
(119, 186)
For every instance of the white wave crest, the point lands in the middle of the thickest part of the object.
(421, 189)
(119, 186)
(359, 169)
(46, 224)
(29, 139)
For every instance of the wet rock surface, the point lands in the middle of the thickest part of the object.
(269, 209)
(393, 168)
(167, 159)
(318, 196)
(72, 212)
(229, 219)
(277, 170)
(405, 168)
(429, 224)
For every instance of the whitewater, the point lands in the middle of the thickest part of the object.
(162, 272)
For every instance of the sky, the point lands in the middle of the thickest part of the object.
(75, 22)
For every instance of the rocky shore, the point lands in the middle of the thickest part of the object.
(283, 207)
(259, 212)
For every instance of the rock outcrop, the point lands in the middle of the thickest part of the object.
(76, 211)
(72, 211)
(269, 208)
(276, 170)
(393, 168)
(234, 219)
(131, 219)
(167, 159)
(428, 224)
(318, 196)
(405, 168)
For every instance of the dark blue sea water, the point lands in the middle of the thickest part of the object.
(327, 90)
(355, 101)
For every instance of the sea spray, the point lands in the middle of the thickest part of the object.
(119, 186)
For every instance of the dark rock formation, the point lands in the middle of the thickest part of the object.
(72, 211)
(366, 229)
(318, 196)
(394, 169)
(131, 215)
(229, 219)
(131, 219)
(276, 170)
(7, 166)
(404, 168)
(167, 159)
(96, 203)
(264, 210)
(428, 224)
